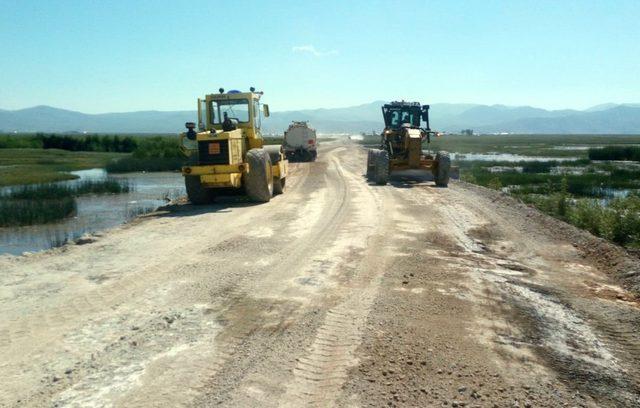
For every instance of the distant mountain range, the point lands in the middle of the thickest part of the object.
(451, 117)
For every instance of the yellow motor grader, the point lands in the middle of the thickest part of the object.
(401, 145)
(227, 154)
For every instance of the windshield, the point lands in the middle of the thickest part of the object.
(237, 109)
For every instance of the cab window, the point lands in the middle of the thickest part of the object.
(237, 109)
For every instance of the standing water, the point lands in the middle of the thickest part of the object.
(96, 212)
(507, 157)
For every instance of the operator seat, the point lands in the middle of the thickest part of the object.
(229, 124)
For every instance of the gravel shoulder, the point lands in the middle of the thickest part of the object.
(337, 293)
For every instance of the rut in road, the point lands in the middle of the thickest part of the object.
(332, 252)
(541, 300)
(338, 293)
(320, 373)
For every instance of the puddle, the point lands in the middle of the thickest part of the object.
(576, 171)
(575, 147)
(610, 193)
(585, 147)
(505, 169)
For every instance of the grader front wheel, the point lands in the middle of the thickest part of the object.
(371, 165)
(443, 168)
(381, 171)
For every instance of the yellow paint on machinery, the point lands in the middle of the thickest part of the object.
(401, 144)
(228, 129)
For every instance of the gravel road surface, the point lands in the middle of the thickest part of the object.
(337, 293)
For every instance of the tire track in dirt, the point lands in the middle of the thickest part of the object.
(244, 384)
(106, 299)
(241, 313)
(213, 353)
(222, 318)
(320, 373)
(561, 335)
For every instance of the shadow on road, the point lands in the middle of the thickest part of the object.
(408, 179)
(221, 205)
(406, 182)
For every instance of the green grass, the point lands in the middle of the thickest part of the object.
(618, 221)
(584, 200)
(584, 185)
(55, 191)
(31, 166)
(160, 153)
(529, 145)
(158, 146)
(131, 164)
(526, 145)
(17, 212)
(24, 161)
(44, 203)
(122, 143)
(615, 153)
(273, 140)
(19, 142)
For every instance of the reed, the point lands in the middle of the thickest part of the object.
(615, 153)
(45, 203)
(17, 212)
(56, 190)
(131, 164)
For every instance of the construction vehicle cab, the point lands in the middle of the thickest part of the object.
(401, 145)
(398, 113)
(227, 152)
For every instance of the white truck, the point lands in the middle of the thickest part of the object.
(300, 142)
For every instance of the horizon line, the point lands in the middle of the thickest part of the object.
(616, 104)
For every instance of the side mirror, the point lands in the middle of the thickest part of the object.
(265, 108)
(425, 113)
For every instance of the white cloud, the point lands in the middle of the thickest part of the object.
(310, 49)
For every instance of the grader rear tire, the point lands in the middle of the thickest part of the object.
(370, 164)
(443, 169)
(381, 171)
(259, 179)
(197, 194)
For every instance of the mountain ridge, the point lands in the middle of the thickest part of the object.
(451, 117)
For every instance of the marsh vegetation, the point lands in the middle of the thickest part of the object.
(590, 181)
(158, 153)
(597, 190)
(44, 203)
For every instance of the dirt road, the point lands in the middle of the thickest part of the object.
(337, 293)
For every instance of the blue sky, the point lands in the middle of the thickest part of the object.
(108, 56)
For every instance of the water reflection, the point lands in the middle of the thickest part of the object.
(506, 157)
